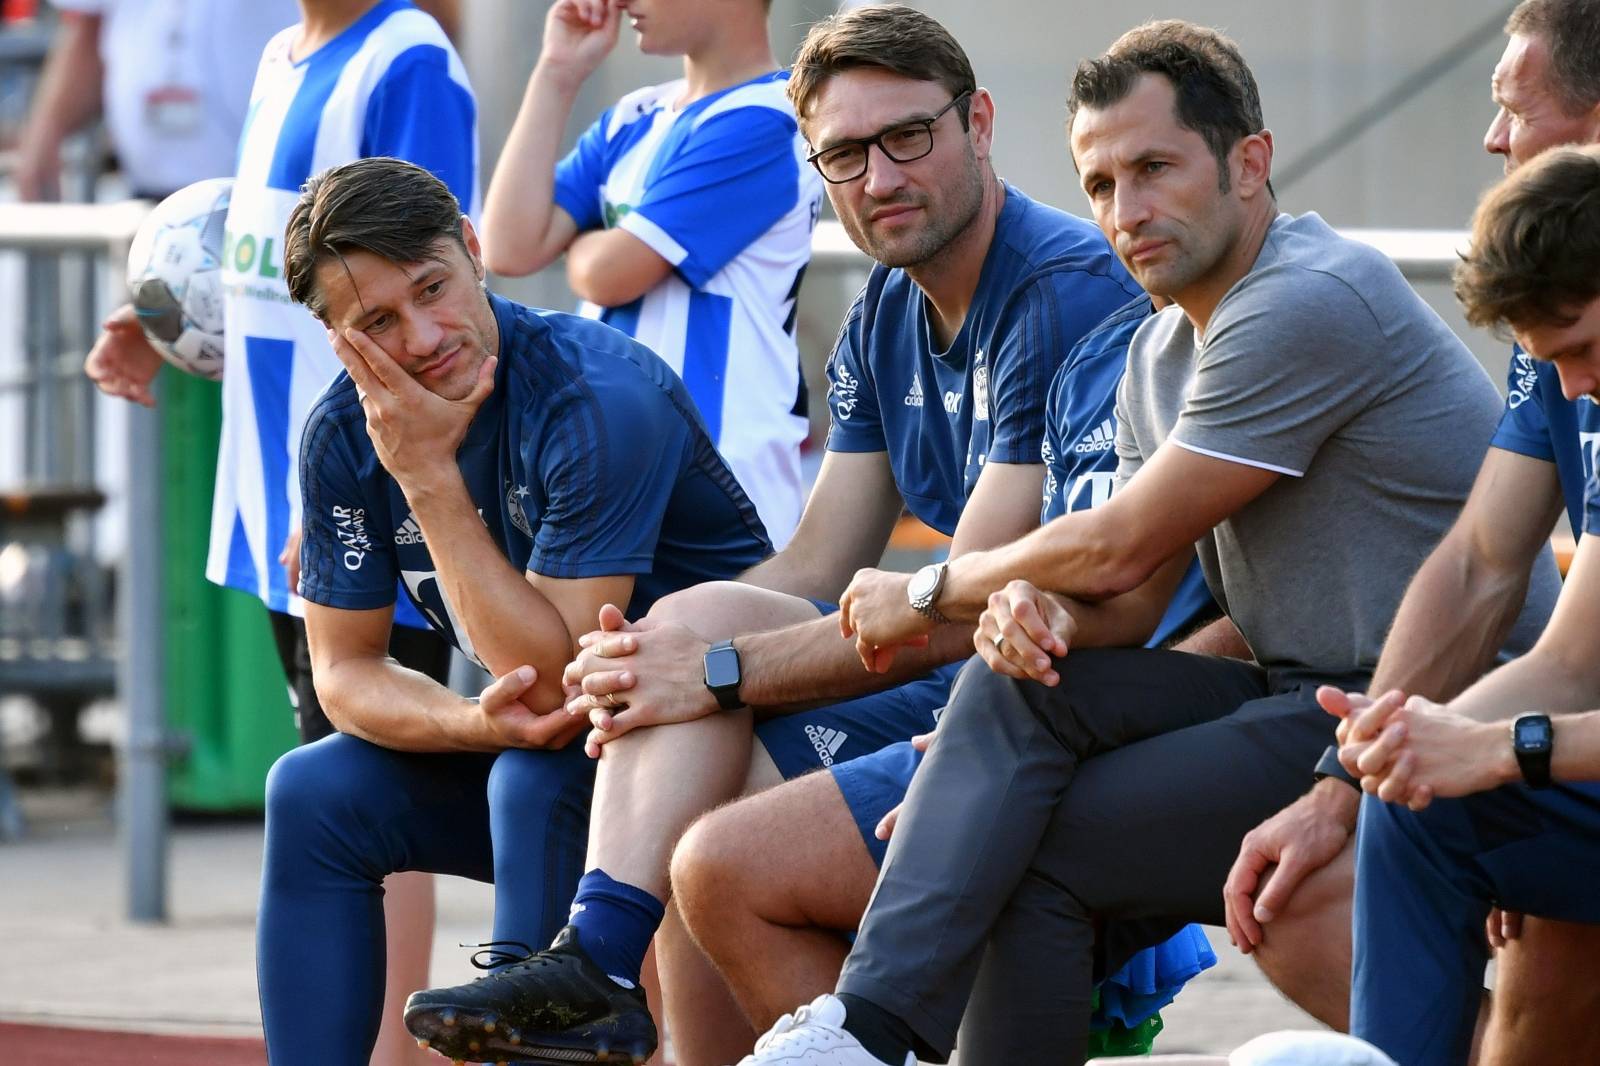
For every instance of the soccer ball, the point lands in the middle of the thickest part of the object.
(175, 276)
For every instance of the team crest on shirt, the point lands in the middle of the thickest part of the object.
(514, 497)
(980, 390)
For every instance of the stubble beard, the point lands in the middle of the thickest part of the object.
(926, 244)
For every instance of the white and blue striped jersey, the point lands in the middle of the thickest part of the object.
(721, 190)
(389, 85)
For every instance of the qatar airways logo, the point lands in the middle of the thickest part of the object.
(350, 526)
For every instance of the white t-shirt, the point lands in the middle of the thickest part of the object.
(721, 190)
(177, 81)
(390, 85)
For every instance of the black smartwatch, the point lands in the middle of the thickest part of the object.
(722, 675)
(1330, 766)
(1532, 739)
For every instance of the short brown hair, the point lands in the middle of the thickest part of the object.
(891, 37)
(388, 207)
(1535, 244)
(1572, 30)
(1216, 93)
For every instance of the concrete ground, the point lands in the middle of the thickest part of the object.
(68, 958)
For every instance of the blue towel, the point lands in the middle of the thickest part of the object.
(1152, 978)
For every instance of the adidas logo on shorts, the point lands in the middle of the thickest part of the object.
(409, 532)
(1103, 439)
(827, 742)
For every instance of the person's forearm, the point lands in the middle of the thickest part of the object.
(1575, 749)
(519, 208)
(1080, 555)
(787, 669)
(1539, 682)
(507, 620)
(789, 572)
(1219, 637)
(1454, 618)
(383, 702)
(68, 97)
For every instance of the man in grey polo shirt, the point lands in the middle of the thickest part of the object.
(1303, 419)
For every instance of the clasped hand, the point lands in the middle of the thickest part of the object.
(1410, 751)
(1020, 631)
(629, 675)
(876, 611)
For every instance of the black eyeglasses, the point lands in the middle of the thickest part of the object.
(847, 160)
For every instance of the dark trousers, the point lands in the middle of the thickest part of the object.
(1114, 801)
(422, 650)
(343, 814)
(1424, 884)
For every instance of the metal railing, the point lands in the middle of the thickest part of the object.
(104, 232)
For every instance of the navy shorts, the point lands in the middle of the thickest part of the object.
(865, 742)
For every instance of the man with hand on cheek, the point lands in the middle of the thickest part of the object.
(1496, 818)
(558, 465)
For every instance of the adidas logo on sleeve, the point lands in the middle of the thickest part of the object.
(1103, 439)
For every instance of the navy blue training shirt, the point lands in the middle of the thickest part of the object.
(1541, 423)
(1048, 278)
(587, 460)
(1079, 454)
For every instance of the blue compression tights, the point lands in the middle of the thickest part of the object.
(342, 814)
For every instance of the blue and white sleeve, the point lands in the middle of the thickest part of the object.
(420, 113)
(581, 174)
(738, 174)
(1523, 427)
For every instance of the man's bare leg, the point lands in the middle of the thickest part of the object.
(653, 782)
(1546, 997)
(707, 1024)
(1306, 950)
(768, 885)
(408, 914)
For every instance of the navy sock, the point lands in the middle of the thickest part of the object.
(615, 923)
(886, 1038)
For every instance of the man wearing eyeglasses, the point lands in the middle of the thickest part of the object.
(938, 386)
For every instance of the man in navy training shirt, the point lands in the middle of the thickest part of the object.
(563, 466)
(1296, 922)
(939, 384)
(1501, 781)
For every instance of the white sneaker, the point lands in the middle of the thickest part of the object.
(814, 1035)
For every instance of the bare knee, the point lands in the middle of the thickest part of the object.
(1306, 949)
(1547, 984)
(707, 868)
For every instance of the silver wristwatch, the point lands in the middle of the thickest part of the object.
(924, 589)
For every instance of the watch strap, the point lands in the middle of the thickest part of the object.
(727, 695)
(1534, 762)
(1330, 766)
